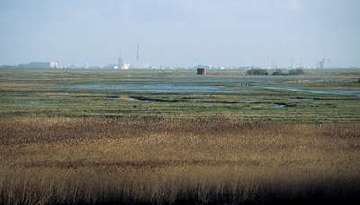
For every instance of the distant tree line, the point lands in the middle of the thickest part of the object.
(260, 71)
(257, 71)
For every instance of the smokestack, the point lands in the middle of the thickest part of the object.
(138, 53)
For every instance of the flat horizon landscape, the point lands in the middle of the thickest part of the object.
(174, 137)
(180, 102)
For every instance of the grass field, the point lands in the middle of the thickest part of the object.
(72, 161)
(82, 93)
(76, 137)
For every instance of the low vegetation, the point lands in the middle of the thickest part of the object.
(176, 161)
(257, 71)
(56, 93)
(279, 72)
(297, 71)
(68, 137)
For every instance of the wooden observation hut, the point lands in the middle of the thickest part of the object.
(201, 71)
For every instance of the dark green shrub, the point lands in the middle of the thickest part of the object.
(257, 71)
(279, 72)
(297, 71)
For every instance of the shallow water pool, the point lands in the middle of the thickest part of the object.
(153, 87)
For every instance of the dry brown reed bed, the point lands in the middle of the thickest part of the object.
(176, 161)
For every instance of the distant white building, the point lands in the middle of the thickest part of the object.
(54, 64)
(125, 66)
(40, 65)
(121, 65)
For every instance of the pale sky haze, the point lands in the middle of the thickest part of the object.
(181, 32)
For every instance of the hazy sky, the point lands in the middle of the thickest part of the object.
(181, 32)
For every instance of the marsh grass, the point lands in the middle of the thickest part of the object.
(176, 161)
(53, 93)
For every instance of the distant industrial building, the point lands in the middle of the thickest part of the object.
(40, 65)
(125, 66)
(121, 65)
